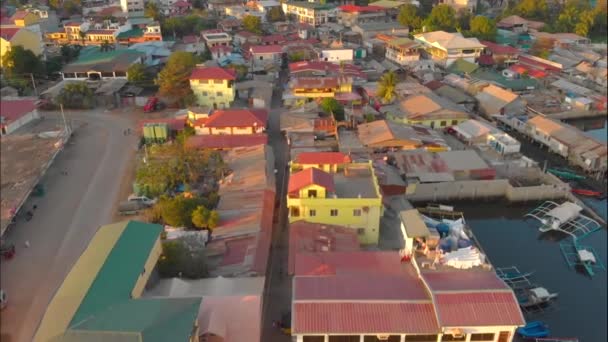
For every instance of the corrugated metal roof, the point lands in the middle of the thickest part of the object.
(478, 309)
(359, 318)
(356, 262)
(322, 158)
(311, 176)
(463, 280)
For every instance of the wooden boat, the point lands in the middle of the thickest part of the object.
(566, 174)
(533, 329)
(534, 297)
(587, 192)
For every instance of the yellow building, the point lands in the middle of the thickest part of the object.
(350, 197)
(428, 110)
(100, 297)
(315, 87)
(100, 36)
(17, 36)
(213, 86)
(24, 18)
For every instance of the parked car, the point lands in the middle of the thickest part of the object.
(142, 199)
(130, 207)
(153, 104)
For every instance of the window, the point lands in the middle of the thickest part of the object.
(295, 212)
(421, 338)
(453, 338)
(312, 213)
(361, 231)
(312, 193)
(454, 122)
(482, 337)
(385, 338)
(205, 93)
(313, 339)
(344, 338)
(443, 123)
(333, 212)
(261, 58)
(356, 212)
(218, 81)
(219, 93)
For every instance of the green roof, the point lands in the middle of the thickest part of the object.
(512, 84)
(93, 54)
(311, 5)
(136, 32)
(460, 66)
(147, 320)
(120, 271)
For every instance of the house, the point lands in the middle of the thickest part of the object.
(349, 15)
(381, 135)
(336, 55)
(101, 296)
(568, 142)
(230, 25)
(232, 122)
(322, 68)
(16, 113)
(24, 18)
(264, 57)
(502, 55)
(565, 40)
(330, 162)
(93, 64)
(132, 6)
(220, 51)
(402, 51)
(18, 36)
(274, 39)
(246, 37)
(316, 87)
(313, 13)
(428, 110)
(371, 30)
(349, 198)
(494, 100)
(219, 6)
(445, 48)
(213, 86)
(73, 29)
(216, 37)
(518, 24)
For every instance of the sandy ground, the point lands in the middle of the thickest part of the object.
(68, 215)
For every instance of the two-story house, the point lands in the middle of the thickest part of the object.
(349, 197)
(312, 13)
(350, 15)
(216, 37)
(24, 18)
(265, 56)
(232, 122)
(73, 29)
(18, 36)
(402, 51)
(445, 48)
(213, 86)
(427, 110)
(315, 87)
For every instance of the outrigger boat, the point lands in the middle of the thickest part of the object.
(533, 329)
(534, 297)
(580, 255)
(512, 274)
(565, 174)
(587, 192)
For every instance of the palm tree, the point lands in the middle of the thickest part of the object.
(386, 86)
(82, 36)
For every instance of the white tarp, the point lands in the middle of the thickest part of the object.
(464, 258)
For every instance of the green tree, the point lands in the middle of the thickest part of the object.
(531, 9)
(200, 217)
(69, 52)
(463, 22)
(252, 24)
(409, 16)
(152, 11)
(173, 79)
(214, 219)
(18, 61)
(177, 211)
(275, 14)
(75, 95)
(174, 25)
(386, 87)
(332, 106)
(136, 73)
(182, 259)
(296, 56)
(442, 17)
(483, 28)
(82, 36)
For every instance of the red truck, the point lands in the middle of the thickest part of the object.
(152, 105)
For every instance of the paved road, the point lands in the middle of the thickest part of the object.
(73, 207)
(278, 292)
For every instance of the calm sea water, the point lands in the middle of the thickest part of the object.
(508, 240)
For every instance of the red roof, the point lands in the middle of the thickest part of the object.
(72, 24)
(499, 49)
(101, 31)
(238, 118)
(181, 3)
(434, 85)
(360, 9)
(11, 110)
(536, 64)
(213, 73)
(520, 69)
(236, 250)
(355, 262)
(315, 82)
(307, 237)
(485, 60)
(462, 281)
(266, 49)
(191, 39)
(9, 32)
(359, 287)
(262, 250)
(226, 141)
(478, 309)
(278, 38)
(359, 318)
(322, 158)
(308, 177)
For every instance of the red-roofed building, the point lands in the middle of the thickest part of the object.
(481, 309)
(310, 183)
(314, 238)
(322, 68)
(265, 57)
(501, 54)
(213, 86)
(351, 15)
(224, 142)
(234, 122)
(274, 39)
(326, 161)
(16, 113)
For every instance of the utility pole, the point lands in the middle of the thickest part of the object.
(65, 122)
(34, 84)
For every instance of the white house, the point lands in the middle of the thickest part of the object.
(129, 6)
(263, 56)
(336, 55)
(445, 48)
